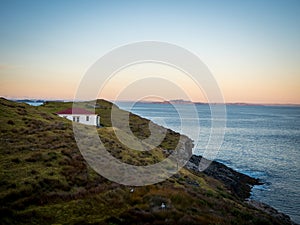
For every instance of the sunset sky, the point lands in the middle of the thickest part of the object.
(251, 47)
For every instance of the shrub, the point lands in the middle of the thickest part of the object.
(16, 160)
(10, 122)
(34, 157)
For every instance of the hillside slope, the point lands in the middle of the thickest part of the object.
(45, 180)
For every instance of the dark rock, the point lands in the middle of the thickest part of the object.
(238, 183)
(271, 211)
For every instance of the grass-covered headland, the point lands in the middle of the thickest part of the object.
(45, 180)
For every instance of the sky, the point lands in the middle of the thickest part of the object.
(252, 48)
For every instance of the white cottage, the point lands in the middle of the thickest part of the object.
(81, 116)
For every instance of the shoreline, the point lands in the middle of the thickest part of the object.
(239, 184)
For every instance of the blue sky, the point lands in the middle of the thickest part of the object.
(251, 47)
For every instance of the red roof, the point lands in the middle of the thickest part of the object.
(75, 111)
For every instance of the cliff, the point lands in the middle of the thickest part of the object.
(45, 180)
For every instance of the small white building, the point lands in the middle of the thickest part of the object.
(81, 116)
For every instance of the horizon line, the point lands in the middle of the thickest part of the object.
(176, 101)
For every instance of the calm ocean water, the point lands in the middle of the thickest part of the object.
(261, 141)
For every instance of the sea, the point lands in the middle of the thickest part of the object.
(260, 141)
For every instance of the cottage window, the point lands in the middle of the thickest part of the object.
(87, 118)
(74, 118)
(77, 118)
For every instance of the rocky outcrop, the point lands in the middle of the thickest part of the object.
(239, 184)
(271, 211)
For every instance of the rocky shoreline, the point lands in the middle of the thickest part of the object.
(239, 184)
(271, 211)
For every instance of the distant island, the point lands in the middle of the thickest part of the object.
(187, 102)
(177, 101)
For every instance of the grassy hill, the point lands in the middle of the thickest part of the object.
(45, 180)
